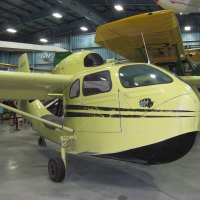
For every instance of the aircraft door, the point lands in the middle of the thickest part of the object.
(100, 104)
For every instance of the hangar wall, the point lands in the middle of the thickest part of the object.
(78, 42)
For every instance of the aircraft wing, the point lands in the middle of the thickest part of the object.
(192, 50)
(193, 81)
(161, 34)
(22, 85)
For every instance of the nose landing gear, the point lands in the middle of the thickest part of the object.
(56, 169)
(57, 166)
(41, 142)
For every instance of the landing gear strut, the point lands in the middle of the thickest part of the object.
(41, 142)
(57, 166)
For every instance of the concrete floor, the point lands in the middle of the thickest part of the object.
(23, 174)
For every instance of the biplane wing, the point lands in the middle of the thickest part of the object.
(161, 34)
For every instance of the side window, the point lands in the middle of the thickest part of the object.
(75, 89)
(139, 75)
(97, 83)
(92, 60)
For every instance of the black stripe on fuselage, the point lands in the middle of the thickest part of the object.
(81, 107)
(77, 114)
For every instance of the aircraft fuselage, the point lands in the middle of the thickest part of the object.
(121, 107)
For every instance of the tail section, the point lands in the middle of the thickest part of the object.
(35, 108)
(23, 64)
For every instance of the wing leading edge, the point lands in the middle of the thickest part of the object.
(22, 85)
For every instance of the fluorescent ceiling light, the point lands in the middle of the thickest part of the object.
(181, 13)
(187, 28)
(57, 15)
(119, 7)
(43, 40)
(83, 28)
(11, 30)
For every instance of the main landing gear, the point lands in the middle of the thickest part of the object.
(41, 142)
(57, 166)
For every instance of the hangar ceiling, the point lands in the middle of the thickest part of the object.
(34, 19)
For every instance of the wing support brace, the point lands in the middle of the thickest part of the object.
(37, 118)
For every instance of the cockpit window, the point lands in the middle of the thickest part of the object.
(75, 89)
(142, 75)
(93, 60)
(96, 83)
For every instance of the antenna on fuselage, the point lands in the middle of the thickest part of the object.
(149, 62)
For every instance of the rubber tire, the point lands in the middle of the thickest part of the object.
(41, 142)
(56, 169)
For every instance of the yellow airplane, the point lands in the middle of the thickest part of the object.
(119, 108)
(193, 54)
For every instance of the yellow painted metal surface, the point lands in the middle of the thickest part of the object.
(194, 81)
(144, 127)
(22, 85)
(108, 122)
(161, 33)
(23, 63)
(194, 57)
(36, 108)
(8, 65)
(72, 64)
(33, 117)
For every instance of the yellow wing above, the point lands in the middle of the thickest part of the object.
(22, 85)
(161, 33)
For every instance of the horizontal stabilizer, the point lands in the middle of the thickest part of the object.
(48, 122)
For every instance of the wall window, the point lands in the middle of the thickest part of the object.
(97, 83)
(75, 89)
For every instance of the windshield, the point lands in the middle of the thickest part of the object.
(142, 75)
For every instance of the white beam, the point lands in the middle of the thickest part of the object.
(24, 47)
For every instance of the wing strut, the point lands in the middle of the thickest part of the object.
(36, 118)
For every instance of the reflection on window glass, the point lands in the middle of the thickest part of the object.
(97, 83)
(75, 89)
(92, 60)
(142, 75)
